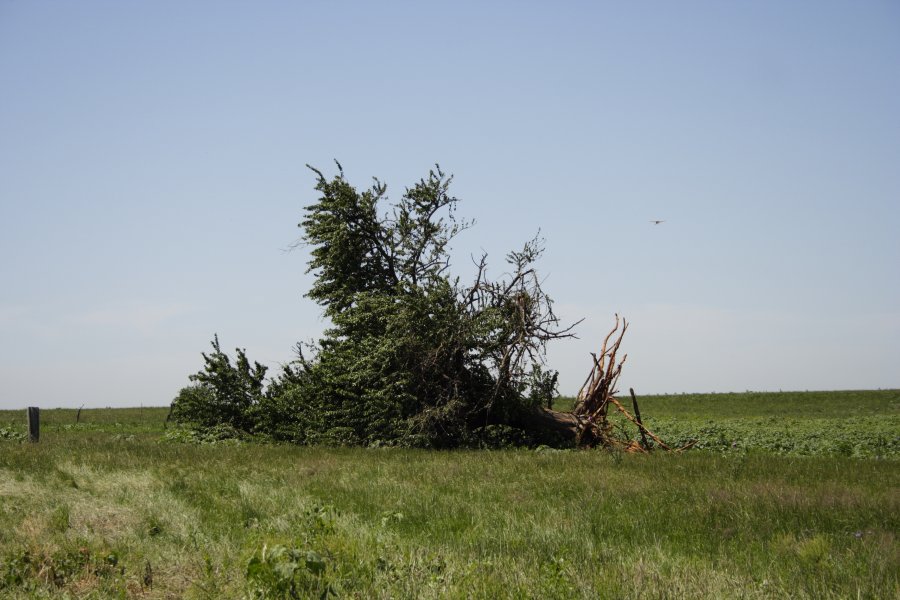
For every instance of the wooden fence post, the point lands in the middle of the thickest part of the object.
(34, 423)
(637, 414)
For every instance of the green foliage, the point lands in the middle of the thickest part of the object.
(16, 570)
(412, 357)
(51, 570)
(355, 250)
(223, 393)
(544, 387)
(8, 433)
(282, 572)
(498, 436)
(217, 434)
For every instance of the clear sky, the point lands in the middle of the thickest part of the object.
(151, 176)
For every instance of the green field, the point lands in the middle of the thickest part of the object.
(863, 424)
(106, 508)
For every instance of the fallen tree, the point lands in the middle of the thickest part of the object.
(413, 356)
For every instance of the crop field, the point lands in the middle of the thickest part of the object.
(793, 495)
(854, 423)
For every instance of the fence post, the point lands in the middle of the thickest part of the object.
(637, 414)
(34, 423)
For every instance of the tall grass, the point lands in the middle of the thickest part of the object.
(105, 509)
(394, 523)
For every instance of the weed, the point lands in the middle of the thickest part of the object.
(10, 434)
(283, 572)
(28, 571)
(390, 516)
(217, 435)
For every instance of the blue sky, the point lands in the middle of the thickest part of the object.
(151, 176)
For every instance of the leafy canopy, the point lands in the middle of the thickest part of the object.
(413, 356)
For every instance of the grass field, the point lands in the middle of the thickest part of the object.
(105, 509)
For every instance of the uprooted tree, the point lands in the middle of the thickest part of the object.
(590, 418)
(414, 356)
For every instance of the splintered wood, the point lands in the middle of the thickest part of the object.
(593, 427)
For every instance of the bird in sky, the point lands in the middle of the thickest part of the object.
(657, 222)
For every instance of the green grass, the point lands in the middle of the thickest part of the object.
(104, 509)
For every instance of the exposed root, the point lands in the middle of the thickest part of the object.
(591, 411)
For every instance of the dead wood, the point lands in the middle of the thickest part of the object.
(591, 413)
